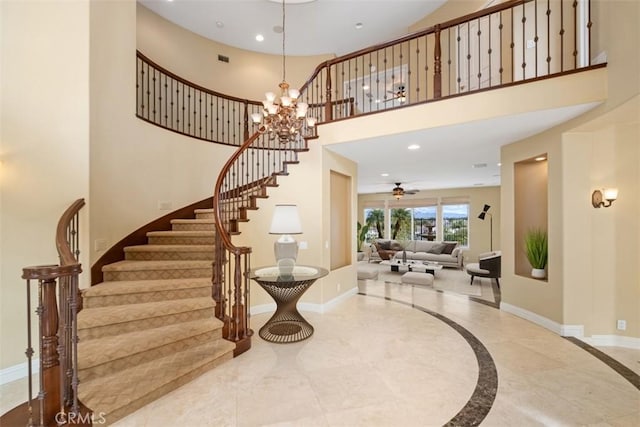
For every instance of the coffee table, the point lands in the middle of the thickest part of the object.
(418, 266)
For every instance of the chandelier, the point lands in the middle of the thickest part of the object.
(283, 119)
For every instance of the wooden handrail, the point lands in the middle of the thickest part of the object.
(63, 245)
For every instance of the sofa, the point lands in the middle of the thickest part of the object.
(448, 254)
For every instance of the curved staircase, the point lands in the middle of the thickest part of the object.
(150, 326)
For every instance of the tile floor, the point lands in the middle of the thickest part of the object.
(386, 359)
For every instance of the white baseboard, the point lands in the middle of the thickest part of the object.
(307, 306)
(16, 372)
(562, 330)
(613, 341)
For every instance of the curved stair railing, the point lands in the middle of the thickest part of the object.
(244, 180)
(57, 397)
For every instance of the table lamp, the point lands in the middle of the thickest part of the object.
(285, 222)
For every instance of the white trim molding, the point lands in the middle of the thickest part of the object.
(562, 330)
(613, 341)
(16, 372)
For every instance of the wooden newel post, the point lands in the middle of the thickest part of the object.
(328, 111)
(49, 360)
(437, 65)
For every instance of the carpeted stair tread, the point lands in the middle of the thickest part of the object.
(182, 252)
(193, 221)
(164, 248)
(182, 233)
(99, 351)
(135, 265)
(121, 393)
(138, 286)
(101, 316)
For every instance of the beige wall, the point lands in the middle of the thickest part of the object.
(44, 146)
(247, 75)
(593, 252)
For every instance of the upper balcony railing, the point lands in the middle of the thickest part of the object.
(511, 43)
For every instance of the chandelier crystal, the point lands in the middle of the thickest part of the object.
(285, 118)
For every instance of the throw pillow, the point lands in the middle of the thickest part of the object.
(395, 246)
(436, 249)
(449, 247)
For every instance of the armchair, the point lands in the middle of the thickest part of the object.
(488, 265)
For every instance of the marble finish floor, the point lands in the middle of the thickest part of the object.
(398, 355)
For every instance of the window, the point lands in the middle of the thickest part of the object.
(374, 217)
(401, 223)
(455, 223)
(424, 223)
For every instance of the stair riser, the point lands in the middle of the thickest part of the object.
(208, 215)
(207, 226)
(181, 240)
(118, 365)
(169, 256)
(159, 392)
(144, 297)
(140, 324)
(185, 273)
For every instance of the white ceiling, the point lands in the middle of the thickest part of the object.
(447, 154)
(312, 28)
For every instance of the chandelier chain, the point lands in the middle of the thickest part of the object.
(284, 69)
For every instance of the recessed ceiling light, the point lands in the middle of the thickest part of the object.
(377, 101)
(384, 174)
(413, 147)
(260, 37)
(365, 87)
(499, 164)
(359, 26)
(541, 158)
(277, 29)
(219, 24)
(479, 165)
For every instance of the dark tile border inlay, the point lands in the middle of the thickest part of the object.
(481, 401)
(626, 373)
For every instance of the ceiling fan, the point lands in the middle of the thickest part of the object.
(399, 93)
(398, 192)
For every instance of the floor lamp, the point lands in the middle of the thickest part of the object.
(482, 216)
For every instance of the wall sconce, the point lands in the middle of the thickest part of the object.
(608, 194)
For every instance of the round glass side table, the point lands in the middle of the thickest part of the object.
(286, 325)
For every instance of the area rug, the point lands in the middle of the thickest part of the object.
(447, 280)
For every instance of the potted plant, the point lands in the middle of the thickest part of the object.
(362, 235)
(536, 246)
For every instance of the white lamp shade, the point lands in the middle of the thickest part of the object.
(294, 93)
(286, 101)
(270, 96)
(256, 117)
(610, 193)
(272, 109)
(311, 121)
(285, 220)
